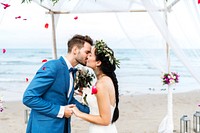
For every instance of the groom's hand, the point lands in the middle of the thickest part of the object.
(68, 110)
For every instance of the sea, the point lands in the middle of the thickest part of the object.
(136, 75)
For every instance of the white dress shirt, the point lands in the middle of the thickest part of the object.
(62, 108)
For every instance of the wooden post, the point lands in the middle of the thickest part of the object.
(26, 115)
(169, 96)
(53, 36)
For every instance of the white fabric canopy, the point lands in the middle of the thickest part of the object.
(91, 6)
(165, 21)
(169, 23)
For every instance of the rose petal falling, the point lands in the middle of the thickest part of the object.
(3, 51)
(18, 17)
(5, 5)
(45, 60)
(76, 17)
(46, 26)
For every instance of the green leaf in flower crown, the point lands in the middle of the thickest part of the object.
(102, 48)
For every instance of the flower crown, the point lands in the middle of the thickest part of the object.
(101, 47)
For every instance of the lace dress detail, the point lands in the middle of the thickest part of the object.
(93, 128)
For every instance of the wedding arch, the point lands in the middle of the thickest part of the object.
(160, 14)
(171, 32)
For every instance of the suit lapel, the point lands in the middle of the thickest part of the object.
(67, 77)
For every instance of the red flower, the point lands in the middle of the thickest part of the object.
(94, 90)
(3, 51)
(46, 26)
(76, 17)
(26, 79)
(45, 60)
(43, 68)
(198, 1)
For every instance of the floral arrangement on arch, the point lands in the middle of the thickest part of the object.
(170, 78)
(1, 103)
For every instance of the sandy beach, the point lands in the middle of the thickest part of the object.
(138, 113)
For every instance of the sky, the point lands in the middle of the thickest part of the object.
(29, 31)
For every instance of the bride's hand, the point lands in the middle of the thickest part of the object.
(76, 111)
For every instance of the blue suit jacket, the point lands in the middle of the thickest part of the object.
(45, 94)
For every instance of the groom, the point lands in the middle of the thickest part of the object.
(50, 93)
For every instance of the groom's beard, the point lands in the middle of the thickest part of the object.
(79, 62)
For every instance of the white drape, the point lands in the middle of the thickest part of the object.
(177, 33)
(166, 125)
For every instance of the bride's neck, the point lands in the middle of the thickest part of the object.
(99, 74)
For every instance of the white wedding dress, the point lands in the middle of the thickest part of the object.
(94, 128)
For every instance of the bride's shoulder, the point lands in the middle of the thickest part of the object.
(103, 83)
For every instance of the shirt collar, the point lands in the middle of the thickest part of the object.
(67, 62)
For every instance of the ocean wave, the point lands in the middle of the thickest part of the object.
(7, 80)
(20, 63)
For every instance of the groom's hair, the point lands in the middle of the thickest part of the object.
(78, 40)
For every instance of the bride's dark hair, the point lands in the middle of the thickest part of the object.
(109, 68)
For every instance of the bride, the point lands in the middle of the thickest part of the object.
(104, 103)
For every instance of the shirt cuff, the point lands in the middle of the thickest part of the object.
(61, 112)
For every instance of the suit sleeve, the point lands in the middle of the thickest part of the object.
(32, 97)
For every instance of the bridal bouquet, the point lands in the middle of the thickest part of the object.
(83, 78)
(170, 78)
(83, 82)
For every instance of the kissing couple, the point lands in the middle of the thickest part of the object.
(50, 94)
